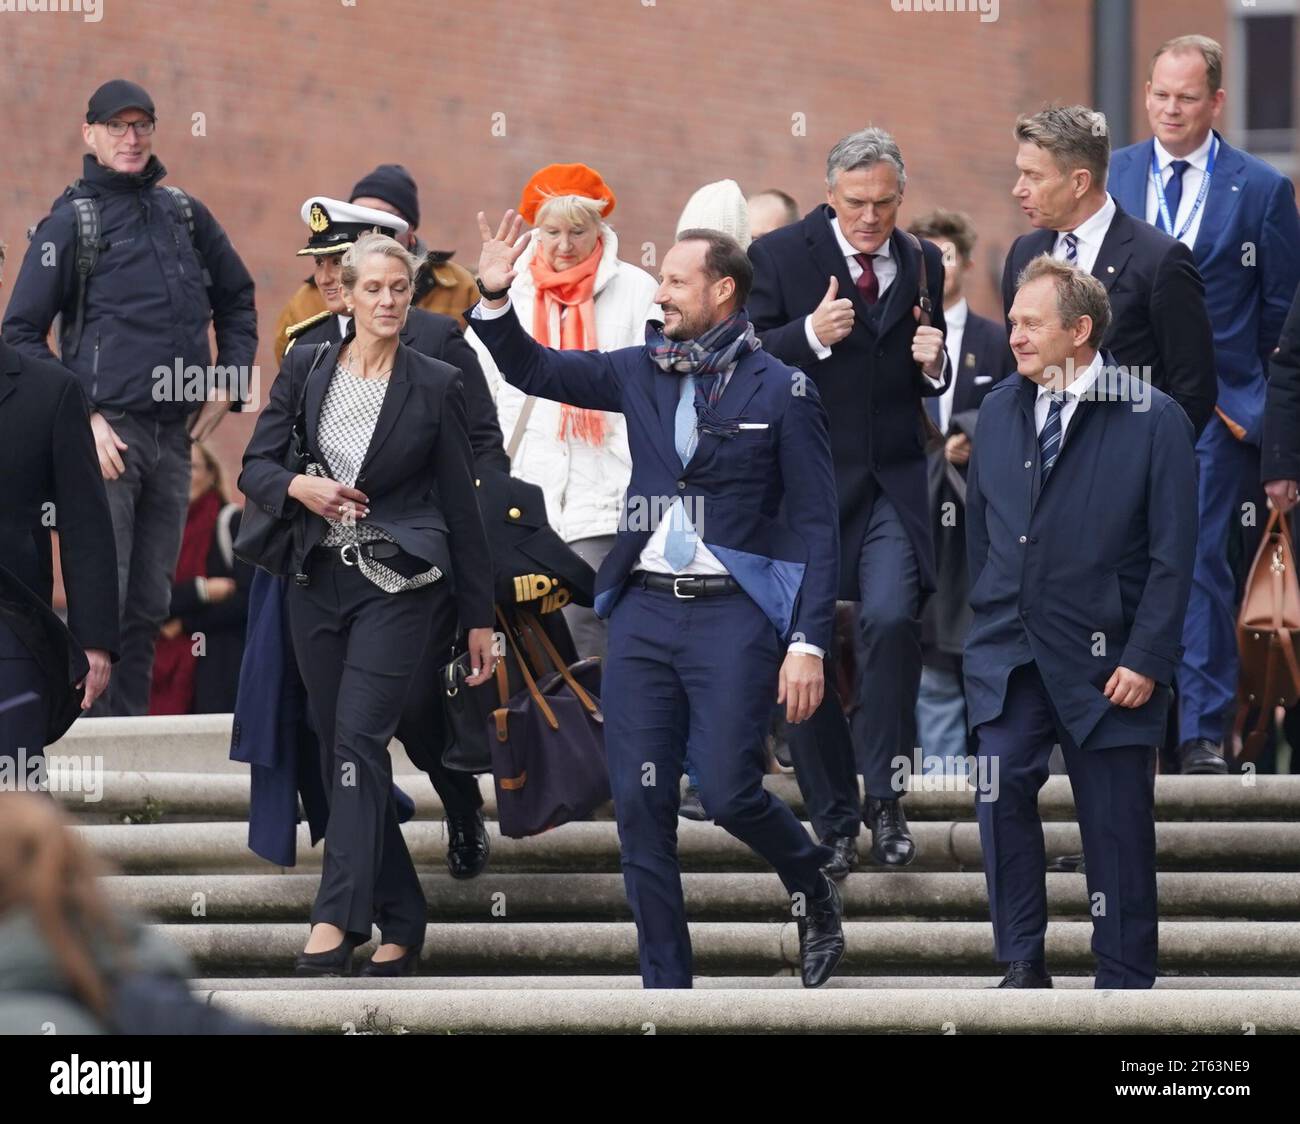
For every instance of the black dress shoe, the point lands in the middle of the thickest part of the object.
(404, 965)
(821, 936)
(1067, 864)
(1026, 973)
(891, 842)
(467, 845)
(336, 962)
(690, 808)
(846, 856)
(1203, 756)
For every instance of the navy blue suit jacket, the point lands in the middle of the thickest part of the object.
(1247, 292)
(1089, 571)
(733, 487)
(870, 384)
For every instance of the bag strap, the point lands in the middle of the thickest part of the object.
(89, 233)
(521, 422)
(186, 208)
(583, 697)
(300, 414)
(537, 695)
(923, 282)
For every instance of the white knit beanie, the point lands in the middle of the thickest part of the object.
(718, 206)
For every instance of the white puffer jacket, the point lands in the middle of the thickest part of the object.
(583, 485)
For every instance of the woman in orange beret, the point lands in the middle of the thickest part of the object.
(572, 292)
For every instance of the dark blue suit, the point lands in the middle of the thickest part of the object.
(1247, 294)
(1070, 579)
(872, 389)
(697, 677)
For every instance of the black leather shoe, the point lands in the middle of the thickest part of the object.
(1067, 864)
(846, 856)
(1026, 973)
(467, 845)
(336, 962)
(891, 842)
(404, 965)
(1200, 755)
(690, 808)
(821, 936)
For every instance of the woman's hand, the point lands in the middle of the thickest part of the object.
(328, 498)
(497, 259)
(482, 660)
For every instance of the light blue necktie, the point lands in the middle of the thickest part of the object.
(679, 547)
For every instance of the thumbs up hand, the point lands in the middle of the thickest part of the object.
(832, 320)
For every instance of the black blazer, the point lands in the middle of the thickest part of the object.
(870, 385)
(47, 457)
(1280, 452)
(438, 337)
(1157, 304)
(420, 447)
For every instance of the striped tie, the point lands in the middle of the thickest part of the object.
(1049, 439)
(1072, 249)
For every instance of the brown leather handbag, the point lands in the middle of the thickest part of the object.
(1268, 630)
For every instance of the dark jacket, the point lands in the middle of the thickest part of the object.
(1089, 571)
(1280, 452)
(1157, 304)
(736, 484)
(420, 447)
(870, 384)
(146, 306)
(946, 616)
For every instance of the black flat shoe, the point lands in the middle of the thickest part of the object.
(690, 807)
(1026, 974)
(467, 845)
(336, 962)
(1068, 864)
(846, 856)
(891, 842)
(1201, 756)
(404, 965)
(821, 936)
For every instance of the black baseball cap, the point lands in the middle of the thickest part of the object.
(116, 95)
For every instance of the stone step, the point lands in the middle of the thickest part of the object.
(556, 897)
(593, 847)
(731, 948)
(224, 795)
(754, 1010)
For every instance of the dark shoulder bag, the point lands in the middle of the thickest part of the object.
(264, 540)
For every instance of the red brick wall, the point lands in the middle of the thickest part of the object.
(304, 96)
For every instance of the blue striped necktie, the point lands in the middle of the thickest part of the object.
(1049, 439)
(1072, 249)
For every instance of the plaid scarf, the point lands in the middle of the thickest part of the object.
(707, 357)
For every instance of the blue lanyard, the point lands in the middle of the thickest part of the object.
(1166, 221)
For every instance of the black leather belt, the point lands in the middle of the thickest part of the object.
(686, 586)
(350, 553)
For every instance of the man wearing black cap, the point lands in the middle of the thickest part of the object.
(441, 285)
(136, 272)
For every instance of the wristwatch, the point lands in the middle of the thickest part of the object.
(489, 295)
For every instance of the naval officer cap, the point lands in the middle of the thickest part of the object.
(335, 225)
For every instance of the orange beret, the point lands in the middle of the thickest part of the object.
(563, 179)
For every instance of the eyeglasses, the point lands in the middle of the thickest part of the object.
(118, 128)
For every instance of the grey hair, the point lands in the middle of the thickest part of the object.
(864, 149)
(373, 243)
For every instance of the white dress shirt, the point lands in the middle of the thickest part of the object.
(1090, 233)
(1193, 176)
(955, 321)
(651, 559)
(1079, 388)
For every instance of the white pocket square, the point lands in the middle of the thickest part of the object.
(753, 425)
(983, 379)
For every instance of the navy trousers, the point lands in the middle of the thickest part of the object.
(22, 703)
(889, 677)
(692, 677)
(1114, 796)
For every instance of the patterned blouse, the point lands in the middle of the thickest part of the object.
(347, 425)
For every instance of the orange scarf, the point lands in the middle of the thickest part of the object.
(573, 288)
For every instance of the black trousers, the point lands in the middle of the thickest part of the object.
(421, 729)
(354, 644)
(22, 701)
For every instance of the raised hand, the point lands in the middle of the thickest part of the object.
(496, 262)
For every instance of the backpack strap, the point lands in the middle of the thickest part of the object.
(89, 235)
(185, 207)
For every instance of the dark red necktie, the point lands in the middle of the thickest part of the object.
(868, 283)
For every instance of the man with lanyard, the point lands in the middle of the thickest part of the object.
(1238, 217)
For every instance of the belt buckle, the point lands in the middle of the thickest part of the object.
(343, 554)
(683, 596)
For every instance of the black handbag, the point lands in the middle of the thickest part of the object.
(264, 540)
(548, 742)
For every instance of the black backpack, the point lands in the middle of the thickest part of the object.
(89, 244)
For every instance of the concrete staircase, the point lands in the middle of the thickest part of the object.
(543, 940)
